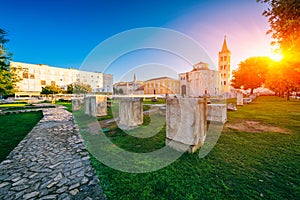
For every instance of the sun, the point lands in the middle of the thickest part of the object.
(275, 56)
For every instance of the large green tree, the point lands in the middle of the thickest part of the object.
(284, 21)
(51, 89)
(8, 77)
(79, 88)
(251, 73)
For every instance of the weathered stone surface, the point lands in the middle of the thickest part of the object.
(217, 113)
(130, 112)
(239, 99)
(98, 105)
(247, 100)
(49, 163)
(74, 192)
(76, 104)
(186, 123)
(30, 195)
(87, 105)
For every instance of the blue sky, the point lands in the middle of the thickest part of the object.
(63, 32)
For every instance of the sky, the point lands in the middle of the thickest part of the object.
(63, 33)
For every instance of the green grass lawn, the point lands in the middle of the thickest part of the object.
(13, 128)
(68, 105)
(12, 105)
(242, 165)
(149, 101)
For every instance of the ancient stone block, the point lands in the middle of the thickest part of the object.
(76, 104)
(239, 99)
(217, 113)
(98, 105)
(130, 112)
(186, 123)
(87, 105)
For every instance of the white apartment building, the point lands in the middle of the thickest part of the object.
(36, 76)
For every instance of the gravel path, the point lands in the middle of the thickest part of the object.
(51, 162)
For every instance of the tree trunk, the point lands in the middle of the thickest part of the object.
(251, 92)
(288, 95)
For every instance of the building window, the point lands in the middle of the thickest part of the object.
(224, 82)
(25, 75)
(43, 82)
(53, 83)
(225, 67)
(31, 76)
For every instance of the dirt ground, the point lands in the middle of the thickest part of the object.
(255, 127)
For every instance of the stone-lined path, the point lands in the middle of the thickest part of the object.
(50, 163)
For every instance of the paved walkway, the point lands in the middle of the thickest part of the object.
(50, 163)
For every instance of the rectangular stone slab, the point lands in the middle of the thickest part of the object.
(98, 105)
(186, 123)
(217, 113)
(130, 112)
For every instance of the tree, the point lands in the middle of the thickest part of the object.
(251, 73)
(79, 88)
(284, 20)
(8, 77)
(51, 89)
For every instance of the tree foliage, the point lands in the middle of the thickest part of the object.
(118, 91)
(79, 88)
(284, 21)
(251, 73)
(51, 89)
(283, 77)
(8, 78)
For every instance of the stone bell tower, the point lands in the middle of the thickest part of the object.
(224, 67)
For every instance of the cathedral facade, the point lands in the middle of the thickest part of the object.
(203, 81)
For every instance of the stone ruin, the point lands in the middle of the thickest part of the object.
(130, 112)
(77, 104)
(239, 99)
(186, 123)
(186, 118)
(217, 113)
(96, 105)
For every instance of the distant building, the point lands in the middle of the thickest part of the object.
(107, 83)
(36, 76)
(127, 88)
(162, 85)
(139, 90)
(201, 81)
(224, 67)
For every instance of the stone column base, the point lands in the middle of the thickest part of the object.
(178, 146)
